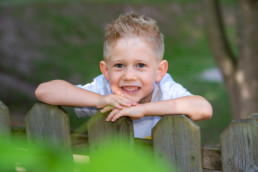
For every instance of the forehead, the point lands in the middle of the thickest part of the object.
(130, 47)
(131, 41)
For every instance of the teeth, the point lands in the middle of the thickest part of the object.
(130, 88)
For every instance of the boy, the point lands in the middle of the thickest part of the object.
(134, 81)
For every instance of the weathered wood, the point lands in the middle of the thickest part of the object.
(4, 120)
(49, 125)
(100, 130)
(80, 144)
(239, 146)
(211, 158)
(177, 139)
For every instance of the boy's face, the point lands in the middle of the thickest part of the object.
(132, 69)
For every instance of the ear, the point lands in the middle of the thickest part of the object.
(162, 70)
(104, 69)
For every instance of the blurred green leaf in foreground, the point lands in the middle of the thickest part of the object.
(18, 156)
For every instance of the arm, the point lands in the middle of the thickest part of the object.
(59, 92)
(195, 107)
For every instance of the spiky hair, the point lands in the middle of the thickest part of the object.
(131, 24)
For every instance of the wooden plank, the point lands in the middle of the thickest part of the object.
(49, 125)
(239, 146)
(177, 139)
(80, 144)
(100, 130)
(211, 158)
(4, 120)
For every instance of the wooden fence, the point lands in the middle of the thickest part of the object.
(175, 138)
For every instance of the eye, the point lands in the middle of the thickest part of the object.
(119, 65)
(141, 65)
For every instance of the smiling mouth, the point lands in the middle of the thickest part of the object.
(130, 89)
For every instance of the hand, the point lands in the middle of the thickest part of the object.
(109, 102)
(134, 112)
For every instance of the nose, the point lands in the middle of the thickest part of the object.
(129, 74)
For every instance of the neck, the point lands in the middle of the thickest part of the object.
(146, 99)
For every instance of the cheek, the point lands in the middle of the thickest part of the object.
(115, 88)
(149, 82)
(150, 77)
(114, 77)
(114, 82)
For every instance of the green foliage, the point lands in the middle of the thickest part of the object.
(17, 155)
(122, 157)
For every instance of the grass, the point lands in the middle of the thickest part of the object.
(68, 39)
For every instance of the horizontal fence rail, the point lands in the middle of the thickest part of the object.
(175, 138)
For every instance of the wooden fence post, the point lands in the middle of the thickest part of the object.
(4, 120)
(99, 130)
(177, 139)
(211, 158)
(48, 124)
(239, 145)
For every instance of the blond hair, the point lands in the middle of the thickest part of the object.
(131, 24)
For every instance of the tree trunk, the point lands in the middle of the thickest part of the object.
(247, 74)
(239, 73)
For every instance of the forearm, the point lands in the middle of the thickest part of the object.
(59, 92)
(195, 107)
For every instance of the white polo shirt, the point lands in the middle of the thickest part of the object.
(166, 89)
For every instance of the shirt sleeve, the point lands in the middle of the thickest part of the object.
(171, 90)
(99, 85)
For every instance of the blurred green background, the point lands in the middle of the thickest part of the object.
(63, 39)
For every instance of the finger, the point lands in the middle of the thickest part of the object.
(111, 114)
(128, 102)
(117, 115)
(123, 100)
(117, 105)
(134, 103)
(106, 109)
